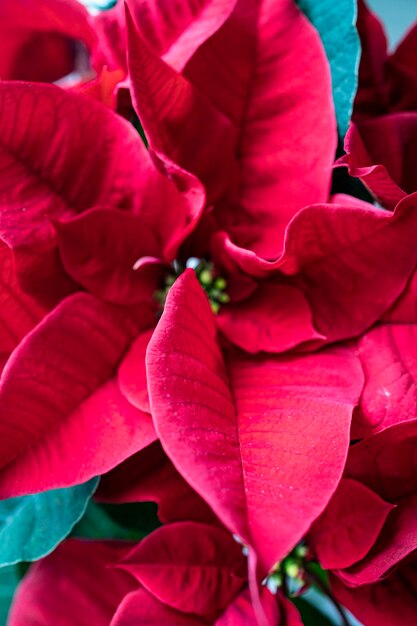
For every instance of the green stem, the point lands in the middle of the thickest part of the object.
(326, 591)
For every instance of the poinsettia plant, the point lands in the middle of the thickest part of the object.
(208, 400)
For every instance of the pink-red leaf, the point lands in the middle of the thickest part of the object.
(95, 437)
(249, 446)
(68, 356)
(286, 142)
(349, 525)
(73, 585)
(194, 568)
(19, 313)
(380, 152)
(41, 41)
(173, 113)
(275, 318)
(44, 131)
(390, 602)
(140, 607)
(99, 250)
(388, 355)
(150, 476)
(176, 30)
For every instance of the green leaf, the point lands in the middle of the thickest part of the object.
(311, 615)
(97, 524)
(335, 20)
(9, 579)
(130, 521)
(32, 526)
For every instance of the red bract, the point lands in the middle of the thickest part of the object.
(173, 30)
(369, 526)
(194, 568)
(349, 261)
(77, 584)
(387, 82)
(44, 41)
(380, 153)
(273, 55)
(61, 374)
(390, 602)
(388, 356)
(150, 476)
(248, 446)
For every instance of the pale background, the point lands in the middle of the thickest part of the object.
(397, 16)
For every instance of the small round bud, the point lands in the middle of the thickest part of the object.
(220, 283)
(206, 277)
(291, 568)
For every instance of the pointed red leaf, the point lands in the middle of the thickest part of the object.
(99, 250)
(241, 613)
(191, 567)
(19, 313)
(132, 373)
(350, 260)
(44, 131)
(173, 113)
(397, 540)
(252, 446)
(150, 476)
(275, 318)
(73, 585)
(390, 602)
(380, 153)
(98, 435)
(176, 30)
(349, 525)
(372, 95)
(70, 354)
(140, 607)
(257, 69)
(389, 358)
(40, 41)
(387, 462)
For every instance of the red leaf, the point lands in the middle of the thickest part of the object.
(275, 318)
(132, 373)
(191, 567)
(140, 607)
(40, 41)
(397, 540)
(372, 96)
(388, 355)
(240, 612)
(99, 250)
(95, 437)
(249, 447)
(387, 462)
(349, 525)
(150, 476)
(176, 30)
(390, 602)
(67, 357)
(351, 262)
(173, 113)
(274, 56)
(19, 313)
(44, 131)
(73, 585)
(379, 152)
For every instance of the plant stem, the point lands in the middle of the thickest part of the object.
(320, 584)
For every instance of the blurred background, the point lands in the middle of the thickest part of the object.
(397, 16)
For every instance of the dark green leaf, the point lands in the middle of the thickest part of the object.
(32, 526)
(9, 579)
